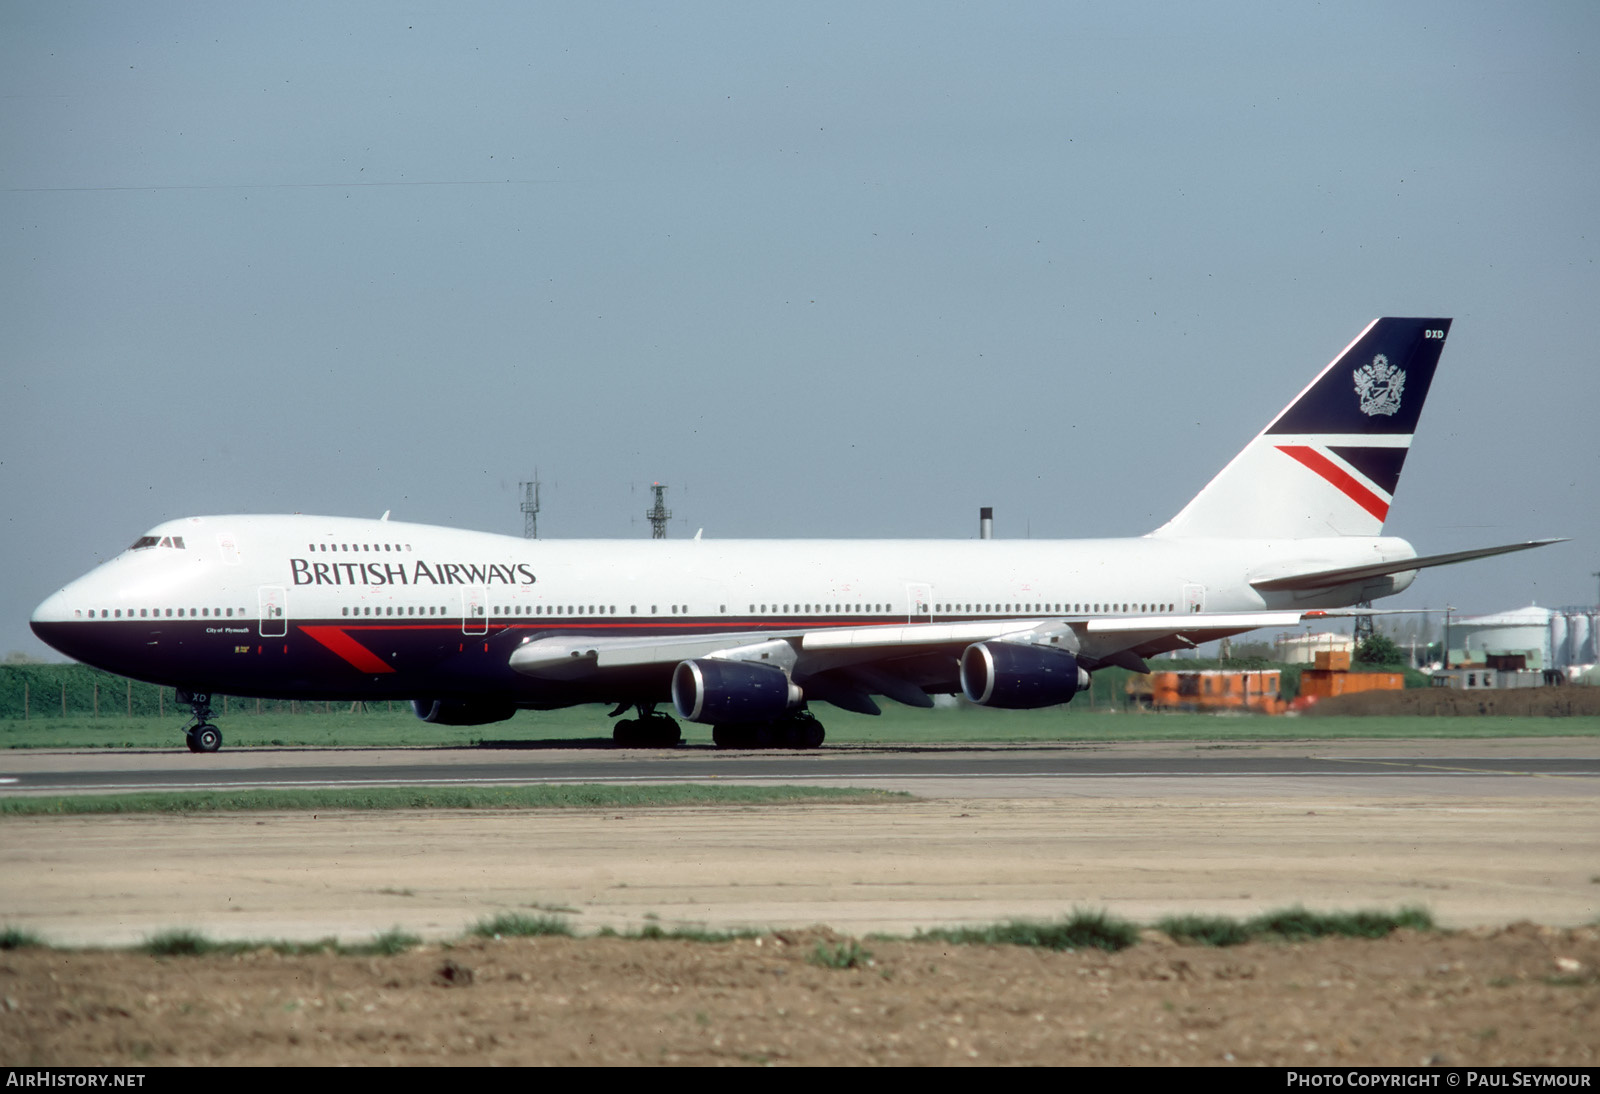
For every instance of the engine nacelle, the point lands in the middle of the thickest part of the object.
(730, 692)
(1014, 676)
(462, 712)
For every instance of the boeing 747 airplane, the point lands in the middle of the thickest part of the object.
(746, 636)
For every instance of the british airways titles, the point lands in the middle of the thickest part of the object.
(307, 572)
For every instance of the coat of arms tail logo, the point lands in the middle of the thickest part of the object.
(1380, 386)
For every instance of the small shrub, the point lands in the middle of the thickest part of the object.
(1083, 931)
(15, 938)
(178, 943)
(514, 925)
(387, 944)
(1205, 930)
(1298, 924)
(845, 955)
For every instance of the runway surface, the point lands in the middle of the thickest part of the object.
(968, 768)
(1479, 832)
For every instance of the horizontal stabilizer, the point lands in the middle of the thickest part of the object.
(1327, 579)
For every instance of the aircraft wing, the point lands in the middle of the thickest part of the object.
(847, 665)
(813, 649)
(1327, 579)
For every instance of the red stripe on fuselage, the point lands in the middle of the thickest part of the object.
(1339, 477)
(348, 648)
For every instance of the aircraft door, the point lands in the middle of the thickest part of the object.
(475, 611)
(1194, 598)
(919, 603)
(274, 619)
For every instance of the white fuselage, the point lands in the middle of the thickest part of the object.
(329, 568)
(332, 606)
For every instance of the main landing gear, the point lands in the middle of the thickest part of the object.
(649, 730)
(799, 729)
(200, 735)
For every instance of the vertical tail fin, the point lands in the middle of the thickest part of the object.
(1329, 463)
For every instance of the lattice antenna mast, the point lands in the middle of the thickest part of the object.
(530, 507)
(1363, 628)
(658, 514)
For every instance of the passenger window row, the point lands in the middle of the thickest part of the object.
(160, 613)
(1056, 609)
(676, 609)
(821, 609)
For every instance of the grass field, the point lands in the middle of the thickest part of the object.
(565, 796)
(897, 726)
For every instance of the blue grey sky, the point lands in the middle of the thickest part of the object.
(827, 269)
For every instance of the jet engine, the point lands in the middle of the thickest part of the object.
(731, 692)
(462, 712)
(1015, 676)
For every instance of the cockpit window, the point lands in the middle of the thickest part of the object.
(151, 541)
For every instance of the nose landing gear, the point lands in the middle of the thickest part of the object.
(200, 735)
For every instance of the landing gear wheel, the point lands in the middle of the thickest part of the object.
(652, 730)
(802, 730)
(201, 735)
(664, 732)
(735, 736)
(798, 730)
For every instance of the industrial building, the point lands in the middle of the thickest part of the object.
(1302, 649)
(1559, 639)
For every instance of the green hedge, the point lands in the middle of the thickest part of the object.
(54, 691)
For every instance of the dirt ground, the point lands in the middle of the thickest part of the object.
(1557, 702)
(1521, 995)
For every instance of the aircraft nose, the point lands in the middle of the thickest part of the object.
(51, 622)
(53, 609)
